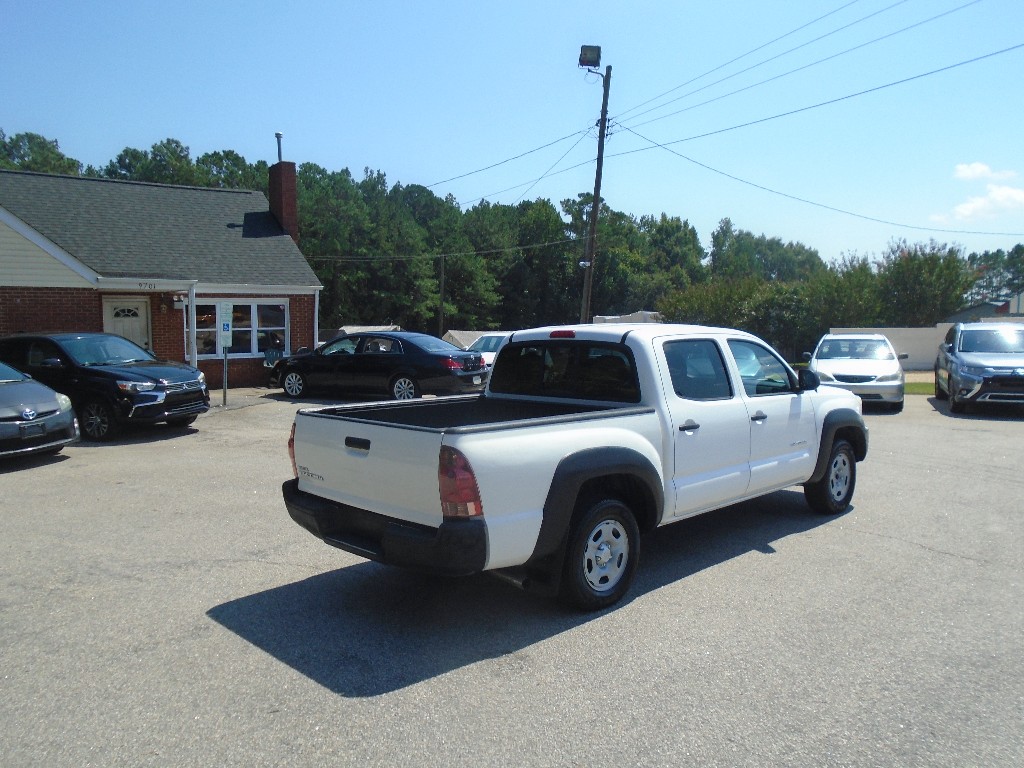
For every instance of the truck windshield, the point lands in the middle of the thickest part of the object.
(568, 369)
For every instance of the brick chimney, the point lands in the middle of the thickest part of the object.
(283, 201)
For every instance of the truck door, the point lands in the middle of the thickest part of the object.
(783, 445)
(710, 425)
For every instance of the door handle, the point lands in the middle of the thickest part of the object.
(689, 426)
(759, 416)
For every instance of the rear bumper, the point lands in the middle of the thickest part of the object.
(457, 547)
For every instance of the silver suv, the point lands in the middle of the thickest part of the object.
(981, 363)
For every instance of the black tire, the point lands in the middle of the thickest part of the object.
(601, 556)
(293, 383)
(182, 421)
(940, 393)
(833, 493)
(404, 388)
(98, 421)
(956, 406)
(897, 407)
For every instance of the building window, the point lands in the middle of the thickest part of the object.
(256, 326)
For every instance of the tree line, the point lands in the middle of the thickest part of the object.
(385, 253)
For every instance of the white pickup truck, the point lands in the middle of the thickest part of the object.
(585, 437)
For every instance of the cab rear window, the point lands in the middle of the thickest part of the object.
(569, 369)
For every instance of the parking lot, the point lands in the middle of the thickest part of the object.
(161, 609)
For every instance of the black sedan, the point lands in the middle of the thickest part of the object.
(110, 380)
(399, 364)
(33, 418)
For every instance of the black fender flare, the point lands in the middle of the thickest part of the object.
(851, 426)
(573, 472)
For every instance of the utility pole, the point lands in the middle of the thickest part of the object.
(591, 245)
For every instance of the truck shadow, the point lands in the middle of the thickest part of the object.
(367, 629)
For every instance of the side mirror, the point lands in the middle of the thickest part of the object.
(808, 379)
(902, 356)
(302, 351)
(52, 362)
(807, 356)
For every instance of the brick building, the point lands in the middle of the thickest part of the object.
(165, 266)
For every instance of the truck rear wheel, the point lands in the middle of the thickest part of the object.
(833, 493)
(601, 556)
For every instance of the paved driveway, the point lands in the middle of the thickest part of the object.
(160, 609)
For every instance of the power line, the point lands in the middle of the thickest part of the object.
(738, 58)
(509, 160)
(790, 72)
(423, 256)
(772, 117)
(820, 205)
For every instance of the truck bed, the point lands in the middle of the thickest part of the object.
(466, 413)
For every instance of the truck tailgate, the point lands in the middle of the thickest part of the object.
(378, 467)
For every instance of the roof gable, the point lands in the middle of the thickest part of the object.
(158, 231)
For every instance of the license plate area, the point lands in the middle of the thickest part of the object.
(32, 430)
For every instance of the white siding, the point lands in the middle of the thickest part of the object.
(23, 263)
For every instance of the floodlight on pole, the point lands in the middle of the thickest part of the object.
(590, 56)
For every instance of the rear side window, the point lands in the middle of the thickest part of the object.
(697, 369)
(576, 370)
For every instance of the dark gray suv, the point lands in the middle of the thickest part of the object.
(981, 363)
(111, 381)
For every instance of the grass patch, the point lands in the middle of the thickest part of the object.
(919, 388)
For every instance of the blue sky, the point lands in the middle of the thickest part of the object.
(433, 92)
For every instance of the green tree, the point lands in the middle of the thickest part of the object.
(32, 152)
(922, 284)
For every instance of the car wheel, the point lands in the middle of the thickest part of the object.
(294, 384)
(955, 405)
(601, 556)
(940, 393)
(832, 494)
(404, 388)
(98, 421)
(182, 422)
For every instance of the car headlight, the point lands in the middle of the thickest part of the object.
(972, 370)
(202, 377)
(822, 376)
(136, 386)
(890, 377)
(63, 402)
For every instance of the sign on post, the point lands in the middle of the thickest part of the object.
(226, 309)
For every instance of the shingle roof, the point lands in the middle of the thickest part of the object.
(134, 229)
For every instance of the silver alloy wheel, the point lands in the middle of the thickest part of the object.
(293, 384)
(404, 388)
(839, 475)
(606, 555)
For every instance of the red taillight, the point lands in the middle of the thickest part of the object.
(452, 365)
(562, 334)
(291, 451)
(460, 495)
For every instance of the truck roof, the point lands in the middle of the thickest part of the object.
(616, 331)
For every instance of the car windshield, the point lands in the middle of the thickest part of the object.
(1001, 341)
(105, 350)
(854, 349)
(8, 374)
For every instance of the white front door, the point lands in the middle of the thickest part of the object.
(128, 317)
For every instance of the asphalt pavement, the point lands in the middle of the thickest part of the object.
(161, 609)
